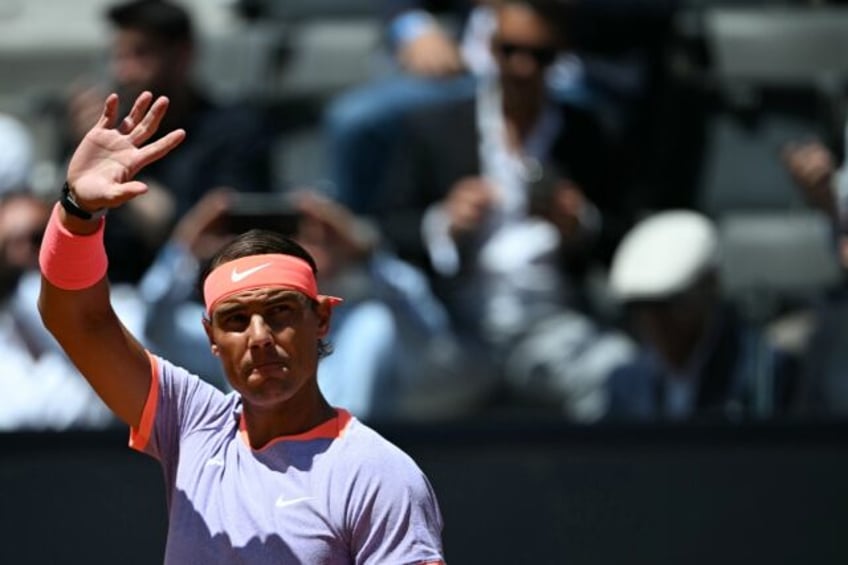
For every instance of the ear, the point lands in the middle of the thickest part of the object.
(207, 326)
(324, 312)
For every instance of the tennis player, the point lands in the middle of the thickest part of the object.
(270, 473)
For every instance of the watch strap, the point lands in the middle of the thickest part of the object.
(71, 207)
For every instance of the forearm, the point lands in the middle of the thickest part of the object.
(75, 307)
(91, 335)
(74, 301)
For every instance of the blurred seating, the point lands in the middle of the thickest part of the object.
(778, 44)
(771, 259)
(775, 75)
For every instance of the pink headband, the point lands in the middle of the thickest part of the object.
(259, 271)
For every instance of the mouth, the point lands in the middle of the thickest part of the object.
(258, 374)
(265, 365)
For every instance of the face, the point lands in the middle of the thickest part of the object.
(524, 45)
(673, 327)
(142, 62)
(22, 223)
(267, 340)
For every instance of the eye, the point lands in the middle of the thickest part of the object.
(235, 321)
(280, 309)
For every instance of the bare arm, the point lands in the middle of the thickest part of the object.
(101, 173)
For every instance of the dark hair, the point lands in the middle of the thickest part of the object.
(261, 242)
(167, 21)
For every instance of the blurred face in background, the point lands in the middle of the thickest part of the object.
(524, 45)
(143, 61)
(675, 327)
(22, 222)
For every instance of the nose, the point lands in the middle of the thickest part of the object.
(259, 333)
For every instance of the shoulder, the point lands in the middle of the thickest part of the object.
(232, 116)
(190, 393)
(367, 448)
(378, 466)
(582, 121)
(437, 115)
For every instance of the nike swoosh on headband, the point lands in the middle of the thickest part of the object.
(235, 276)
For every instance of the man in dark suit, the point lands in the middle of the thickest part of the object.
(456, 157)
(506, 197)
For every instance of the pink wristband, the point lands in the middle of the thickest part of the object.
(70, 261)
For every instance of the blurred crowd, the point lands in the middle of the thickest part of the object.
(514, 219)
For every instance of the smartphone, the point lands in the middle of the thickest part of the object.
(259, 210)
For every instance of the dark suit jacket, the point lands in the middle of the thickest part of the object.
(440, 147)
(728, 385)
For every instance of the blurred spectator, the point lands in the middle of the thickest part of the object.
(429, 64)
(39, 388)
(153, 48)
(699, 359)
(507, 198)
(813, 168)
(393, 354)
(824, 184)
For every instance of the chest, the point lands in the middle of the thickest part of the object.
(229, 504)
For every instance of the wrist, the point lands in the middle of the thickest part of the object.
(73, 208)
(69, 259)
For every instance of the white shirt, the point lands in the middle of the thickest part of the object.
(516, 278)
(39, 387)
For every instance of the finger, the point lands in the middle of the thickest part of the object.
(150, 123)
(110, 112)
(122, 192)
(159, 148)
(140, 107)
(133, 188)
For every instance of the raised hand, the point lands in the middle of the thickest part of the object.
(811, 166)
(102, 169)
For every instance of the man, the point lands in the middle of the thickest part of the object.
(39, 388)
(270, 473)
(153, 48)
(506, 197)
(699, 359)
(429, 66)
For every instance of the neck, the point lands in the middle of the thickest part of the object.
(521, 115)
(264, 424)
(680, 354)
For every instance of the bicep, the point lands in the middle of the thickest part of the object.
(113, 362)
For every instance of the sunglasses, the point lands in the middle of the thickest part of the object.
(543, 56)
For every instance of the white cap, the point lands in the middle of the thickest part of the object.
(16, 155)
(662, 255)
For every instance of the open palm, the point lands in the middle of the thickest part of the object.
(102, 169)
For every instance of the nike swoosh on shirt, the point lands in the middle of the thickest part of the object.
(238, 277)
(283, 502)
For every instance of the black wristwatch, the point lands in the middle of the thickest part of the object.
(72, 208)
